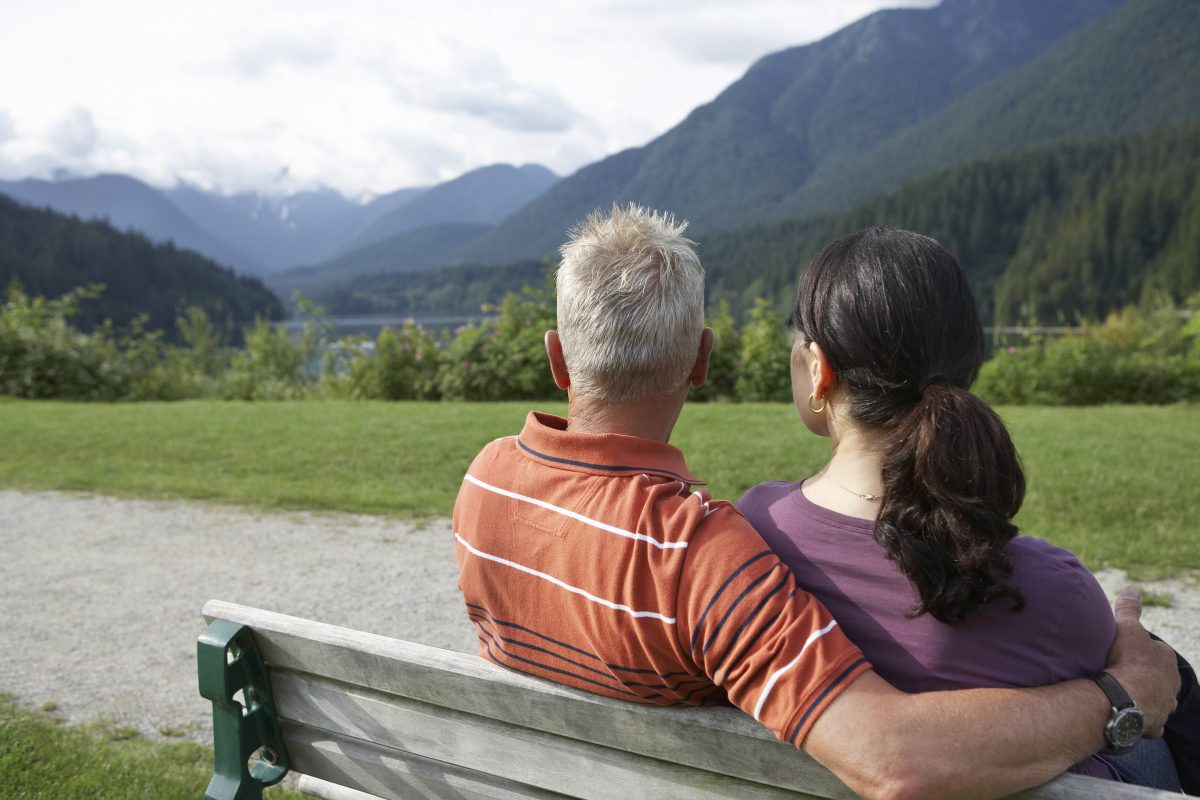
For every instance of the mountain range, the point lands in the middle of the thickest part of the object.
(807, 133)
(805, 114)
(260, 234)
(897, 96)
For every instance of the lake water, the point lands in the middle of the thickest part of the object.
(370, 324)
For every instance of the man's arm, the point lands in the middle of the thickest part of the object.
(987, 742)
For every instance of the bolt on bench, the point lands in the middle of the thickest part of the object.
(356, 713)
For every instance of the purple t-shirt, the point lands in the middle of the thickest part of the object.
(1064, 631)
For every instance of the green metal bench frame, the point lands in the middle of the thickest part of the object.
(248, 751)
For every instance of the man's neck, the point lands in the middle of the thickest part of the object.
(650, 418)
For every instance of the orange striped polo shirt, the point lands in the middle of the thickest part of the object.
(587, 559)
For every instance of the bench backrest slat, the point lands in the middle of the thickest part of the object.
(352, 702)
(392, 774)
(520, 754)
(720, 740)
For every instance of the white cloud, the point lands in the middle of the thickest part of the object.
(478, 84)
(75, 136)
(258, 59)
(515, 108)
(371, 95)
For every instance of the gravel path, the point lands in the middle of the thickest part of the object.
(101, 598)
(100, 606)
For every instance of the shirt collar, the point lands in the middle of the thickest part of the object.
(545, 437)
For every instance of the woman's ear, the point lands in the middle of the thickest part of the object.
(820, 372)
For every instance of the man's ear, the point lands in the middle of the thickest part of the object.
(699, 373)
(558, 362)
(820, 372)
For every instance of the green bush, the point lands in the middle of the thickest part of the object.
(1147, 356)
(43, 356)
(503, 358)
(763, 371)
(402, 365)
(274, 365)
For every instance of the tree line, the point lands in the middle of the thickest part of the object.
(1146, 354)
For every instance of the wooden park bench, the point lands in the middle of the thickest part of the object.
(355, 713)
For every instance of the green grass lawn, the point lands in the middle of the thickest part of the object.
(42, 759)
(1119, 485)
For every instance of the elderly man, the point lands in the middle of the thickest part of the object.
(587, 557)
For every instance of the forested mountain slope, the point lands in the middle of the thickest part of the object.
(49, 254)
(801, 112)
(483, 196)
(1135, 70)
(1045, 235)
(128, 204)
(413, 250)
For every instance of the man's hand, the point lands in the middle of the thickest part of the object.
(1145, 667)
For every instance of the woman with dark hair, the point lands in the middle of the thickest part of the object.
(906, 534)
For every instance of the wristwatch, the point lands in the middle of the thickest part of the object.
(1126, 722)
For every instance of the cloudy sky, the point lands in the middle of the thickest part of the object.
(367, 96)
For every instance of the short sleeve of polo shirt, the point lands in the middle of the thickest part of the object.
(772, 647)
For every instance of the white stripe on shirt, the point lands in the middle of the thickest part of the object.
(562, 584)
(766, 692)
(604, 526)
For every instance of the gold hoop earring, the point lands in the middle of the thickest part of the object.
(814, 409)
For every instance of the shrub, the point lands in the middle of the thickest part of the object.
(503, 358)
(272, 365)
(42, 355)
(401, 365)
(763, 371)
(1134, 356)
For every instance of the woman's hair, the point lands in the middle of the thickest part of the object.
(893, 313)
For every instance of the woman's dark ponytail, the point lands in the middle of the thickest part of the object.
(952, 484)
(894, 315)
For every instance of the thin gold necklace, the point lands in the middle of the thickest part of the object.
(871, 497)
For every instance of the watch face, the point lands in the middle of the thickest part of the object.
(1125, 728)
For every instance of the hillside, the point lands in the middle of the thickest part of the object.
(799, 113)
(1047, 235)
(50, 254)
(1133, 71)
(128, 204)
(262, 234)
(458, 290)
(427, 232)
(486, 196)
(413, 250)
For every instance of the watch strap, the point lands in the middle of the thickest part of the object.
(1113, 690)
